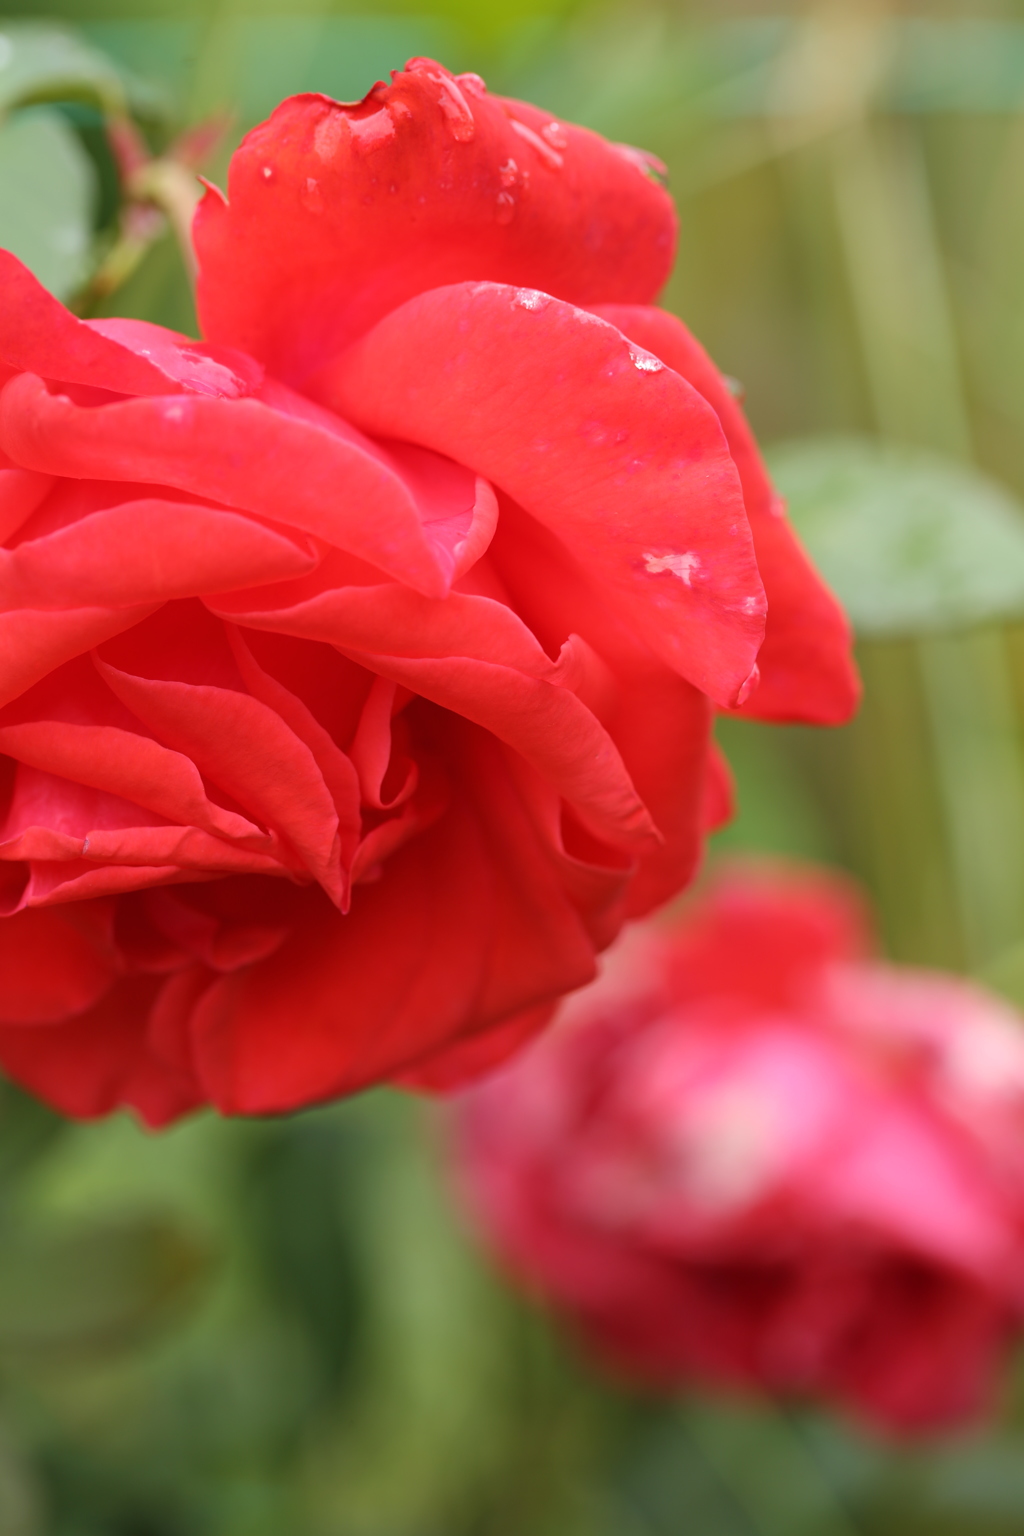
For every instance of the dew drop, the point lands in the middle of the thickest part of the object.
(456, 110)
(508, 174)
(555, 135)
(473, 84)
(551, 158)
(312, 197)
(328, 134)
(373, 132)
(645, 362)
(531, 298)
(268, 171)
(506, 208)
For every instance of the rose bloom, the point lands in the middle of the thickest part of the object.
(358, 661)
(751, 1157)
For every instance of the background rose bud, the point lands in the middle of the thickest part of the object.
(750, 1156)
(357, 663)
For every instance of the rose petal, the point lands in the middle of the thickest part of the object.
(805, 665)
(245, 747)
(129, 765)
(100, 1060)
(395, 620)
(52, 965)
(477, 1055)
(627, 465)
(444, 184)
(201, 366)
(485, 925)
(316, 475)
(34, 643)
(38, 335)
(146, 551)
(337, 769)
(21, 491)
(550, 727)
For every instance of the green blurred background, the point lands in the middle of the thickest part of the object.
(279, 1328)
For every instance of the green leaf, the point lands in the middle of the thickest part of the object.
(65, 1293)
(47, 195)
(49, 63)
(910, 542)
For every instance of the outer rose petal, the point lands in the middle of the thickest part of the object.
(100, 1060)
(52, 964)
(442, 186)
(617, 455)
(302, 468)
(38, 335)
(659, 722)
(146, 552)
(807, 673)
(477, 1055)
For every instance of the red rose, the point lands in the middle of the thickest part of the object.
(751, 1157)
(358, 661)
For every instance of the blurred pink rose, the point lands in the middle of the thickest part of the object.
(749, 1155)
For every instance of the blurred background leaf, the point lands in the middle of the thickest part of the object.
(47, 198)
(909, 541)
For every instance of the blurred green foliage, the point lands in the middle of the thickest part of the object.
(279, 1327)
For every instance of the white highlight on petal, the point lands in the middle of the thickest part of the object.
(684, 565)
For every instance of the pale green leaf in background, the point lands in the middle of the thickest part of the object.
(47, 63)
(910, 542)
(47, 198)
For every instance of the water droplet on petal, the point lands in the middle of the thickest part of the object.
(328, 135)
(268, 171)
(551, 158)
(373, 132)
(506, 207)
(455, 108)
(312, 197)
(473, 84)
(646, 362)
(508, 174)
(555, 135)
(531, 298)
